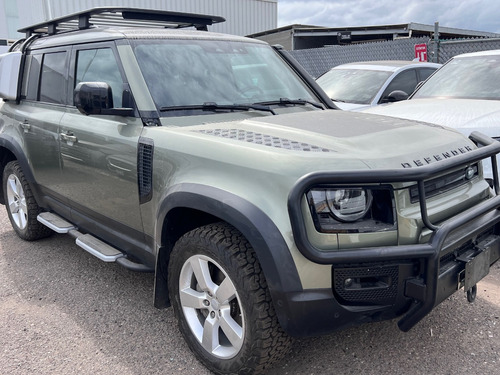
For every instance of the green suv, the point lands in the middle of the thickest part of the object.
(217, 163)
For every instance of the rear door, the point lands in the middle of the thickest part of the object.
(44, 102)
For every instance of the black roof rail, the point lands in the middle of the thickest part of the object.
(121, 17)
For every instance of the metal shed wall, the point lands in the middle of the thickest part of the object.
(243, 17)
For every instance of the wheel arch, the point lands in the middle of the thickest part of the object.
(11, 150)
(208, 204)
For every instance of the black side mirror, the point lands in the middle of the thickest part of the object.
(395, 96)
(96, 98)
(92, 97)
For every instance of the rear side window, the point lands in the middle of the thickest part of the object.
(53, 81)
(34, 62)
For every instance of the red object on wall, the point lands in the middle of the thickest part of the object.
(421, 52)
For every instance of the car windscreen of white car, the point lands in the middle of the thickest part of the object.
(469, 77)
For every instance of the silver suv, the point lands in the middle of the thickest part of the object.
(217, 163)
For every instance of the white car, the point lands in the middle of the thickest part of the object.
(363, 84)
(464, 94)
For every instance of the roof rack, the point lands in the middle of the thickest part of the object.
(121, 17)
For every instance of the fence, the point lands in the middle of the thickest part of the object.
(316, 61)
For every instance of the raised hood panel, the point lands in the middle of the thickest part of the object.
(375, 141)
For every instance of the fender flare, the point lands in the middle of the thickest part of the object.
(8, 142)
(267, 241)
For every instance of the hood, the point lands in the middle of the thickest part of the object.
(455, 113)
(350, 106)
(338, 140)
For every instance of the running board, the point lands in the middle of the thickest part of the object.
(89, 243)
(98, 248)
(54, 222)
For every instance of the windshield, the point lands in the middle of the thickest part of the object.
(190, 73)
(353, 85)
(475, 77)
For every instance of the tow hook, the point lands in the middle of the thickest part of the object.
(472, 293)
(476, 267)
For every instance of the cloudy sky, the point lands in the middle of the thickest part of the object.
(479, 15)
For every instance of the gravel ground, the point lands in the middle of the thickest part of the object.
(62, 311)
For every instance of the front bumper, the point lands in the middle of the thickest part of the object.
(376, 283)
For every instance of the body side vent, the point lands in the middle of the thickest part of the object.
(145, 169)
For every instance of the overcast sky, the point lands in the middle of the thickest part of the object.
(478, 15)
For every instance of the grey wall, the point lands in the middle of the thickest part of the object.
(243, 17)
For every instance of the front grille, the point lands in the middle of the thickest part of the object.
(444, 183)
(376, 285)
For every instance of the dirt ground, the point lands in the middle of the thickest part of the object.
(62, 311)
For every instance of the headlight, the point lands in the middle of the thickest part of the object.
(348, 205)
(352, 210)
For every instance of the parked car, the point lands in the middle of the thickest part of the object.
(463, 94)
(365, 84)
(217, 163)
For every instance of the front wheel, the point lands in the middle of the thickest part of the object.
(222, 303)
(21, 205)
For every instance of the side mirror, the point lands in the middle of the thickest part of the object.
(92, 97)
(395, 96)
(96, 98)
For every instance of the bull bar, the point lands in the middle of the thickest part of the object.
(469, 223)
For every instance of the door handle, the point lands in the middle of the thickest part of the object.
(25, 125)
(68, 137)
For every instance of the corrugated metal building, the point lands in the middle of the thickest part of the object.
(243, 17)
(297, 37)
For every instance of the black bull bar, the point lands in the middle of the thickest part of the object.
(449, 234)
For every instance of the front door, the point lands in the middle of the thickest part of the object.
(99, 153)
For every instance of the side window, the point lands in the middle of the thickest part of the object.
(31, 76)
(424, 73)
(405, 81)
(99, 65)
(53, 81)
(26, 74)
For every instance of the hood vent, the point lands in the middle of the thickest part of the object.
(263, 139)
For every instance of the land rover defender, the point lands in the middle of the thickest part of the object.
(217, 163)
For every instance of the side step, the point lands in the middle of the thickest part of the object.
(98, 248)
(89, 243)
(54, 222)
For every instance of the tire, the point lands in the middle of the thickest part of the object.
(21, 204)
(222, 303)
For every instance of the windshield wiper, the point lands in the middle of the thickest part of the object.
(285, 101)
(211, 106)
